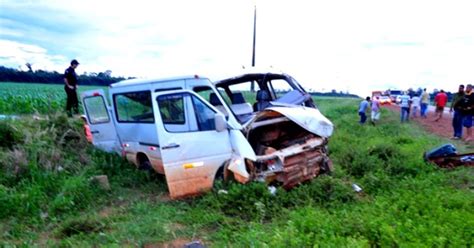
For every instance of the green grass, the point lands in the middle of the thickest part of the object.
(47, 199)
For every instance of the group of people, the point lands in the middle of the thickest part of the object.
(414, 104)
(462, 107)
(374, 110)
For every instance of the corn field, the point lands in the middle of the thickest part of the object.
(27, 98)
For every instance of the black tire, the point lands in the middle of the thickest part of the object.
(145, 165)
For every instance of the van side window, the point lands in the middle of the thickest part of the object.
(96, 110)
(209, 94)
(183, 112)
(134, 107)
(172, 109)
(204, 115)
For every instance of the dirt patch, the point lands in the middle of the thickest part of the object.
(106, 212)
(82, 225)
(45, 238)
(177, 243)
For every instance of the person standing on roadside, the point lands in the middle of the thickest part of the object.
(375, 114)
(456, 106)
(425, 101)
(467, 108)
(404, 107)
(363, 106)
(70, 80)
(440, 101)
(415, 104)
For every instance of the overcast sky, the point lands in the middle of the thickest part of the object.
(355, 46)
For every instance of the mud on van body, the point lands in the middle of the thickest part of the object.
(194, 131)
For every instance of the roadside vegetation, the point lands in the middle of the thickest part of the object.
(28, 98)
(48, 199)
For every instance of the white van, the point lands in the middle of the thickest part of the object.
(171, 126)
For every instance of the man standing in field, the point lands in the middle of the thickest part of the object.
(70, 80)
(440, 101)
(467, 109)
(363, 106)
(425, 101)
(375, 114)
(458, 113)
(404, 107)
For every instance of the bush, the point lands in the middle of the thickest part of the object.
(9, 135)
(75, 193)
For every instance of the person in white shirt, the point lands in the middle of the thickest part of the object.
(415, 104)
(404, 107)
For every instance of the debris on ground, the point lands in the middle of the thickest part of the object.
(356, 188)
(194, 244)
(446, 156)
(272, 190)
(222, 191)
(102, 181)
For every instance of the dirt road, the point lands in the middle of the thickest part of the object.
(443, 127)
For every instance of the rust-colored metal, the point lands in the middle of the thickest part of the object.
(301, 167)
(450, 162)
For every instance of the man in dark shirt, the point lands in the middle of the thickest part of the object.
(70, 80)
(458, 115)
(467, 105)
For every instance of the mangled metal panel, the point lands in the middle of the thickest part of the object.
(309, 118)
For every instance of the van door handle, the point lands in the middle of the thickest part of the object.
(170, 146)
(95, 131)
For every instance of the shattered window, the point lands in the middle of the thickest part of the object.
(245, 89)
(279, 87)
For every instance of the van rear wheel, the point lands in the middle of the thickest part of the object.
(145, 165)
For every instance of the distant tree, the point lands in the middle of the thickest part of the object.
(48, 77)
(108, 73)
(28, 65)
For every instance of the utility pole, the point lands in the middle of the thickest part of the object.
(252, 85)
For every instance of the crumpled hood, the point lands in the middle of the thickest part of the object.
(308, 118)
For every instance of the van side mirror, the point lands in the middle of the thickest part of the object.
(220, 122)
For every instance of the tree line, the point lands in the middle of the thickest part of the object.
(334, 94)
(53, 77)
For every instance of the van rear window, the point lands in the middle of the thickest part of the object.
(134, 107)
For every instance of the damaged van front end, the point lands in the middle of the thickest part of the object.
(288, 146)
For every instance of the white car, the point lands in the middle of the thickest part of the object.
(189, 130)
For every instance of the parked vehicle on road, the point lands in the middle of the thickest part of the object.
(194, 131)
(385, 100)
(395, 95)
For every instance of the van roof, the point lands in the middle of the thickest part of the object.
(138, 81)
